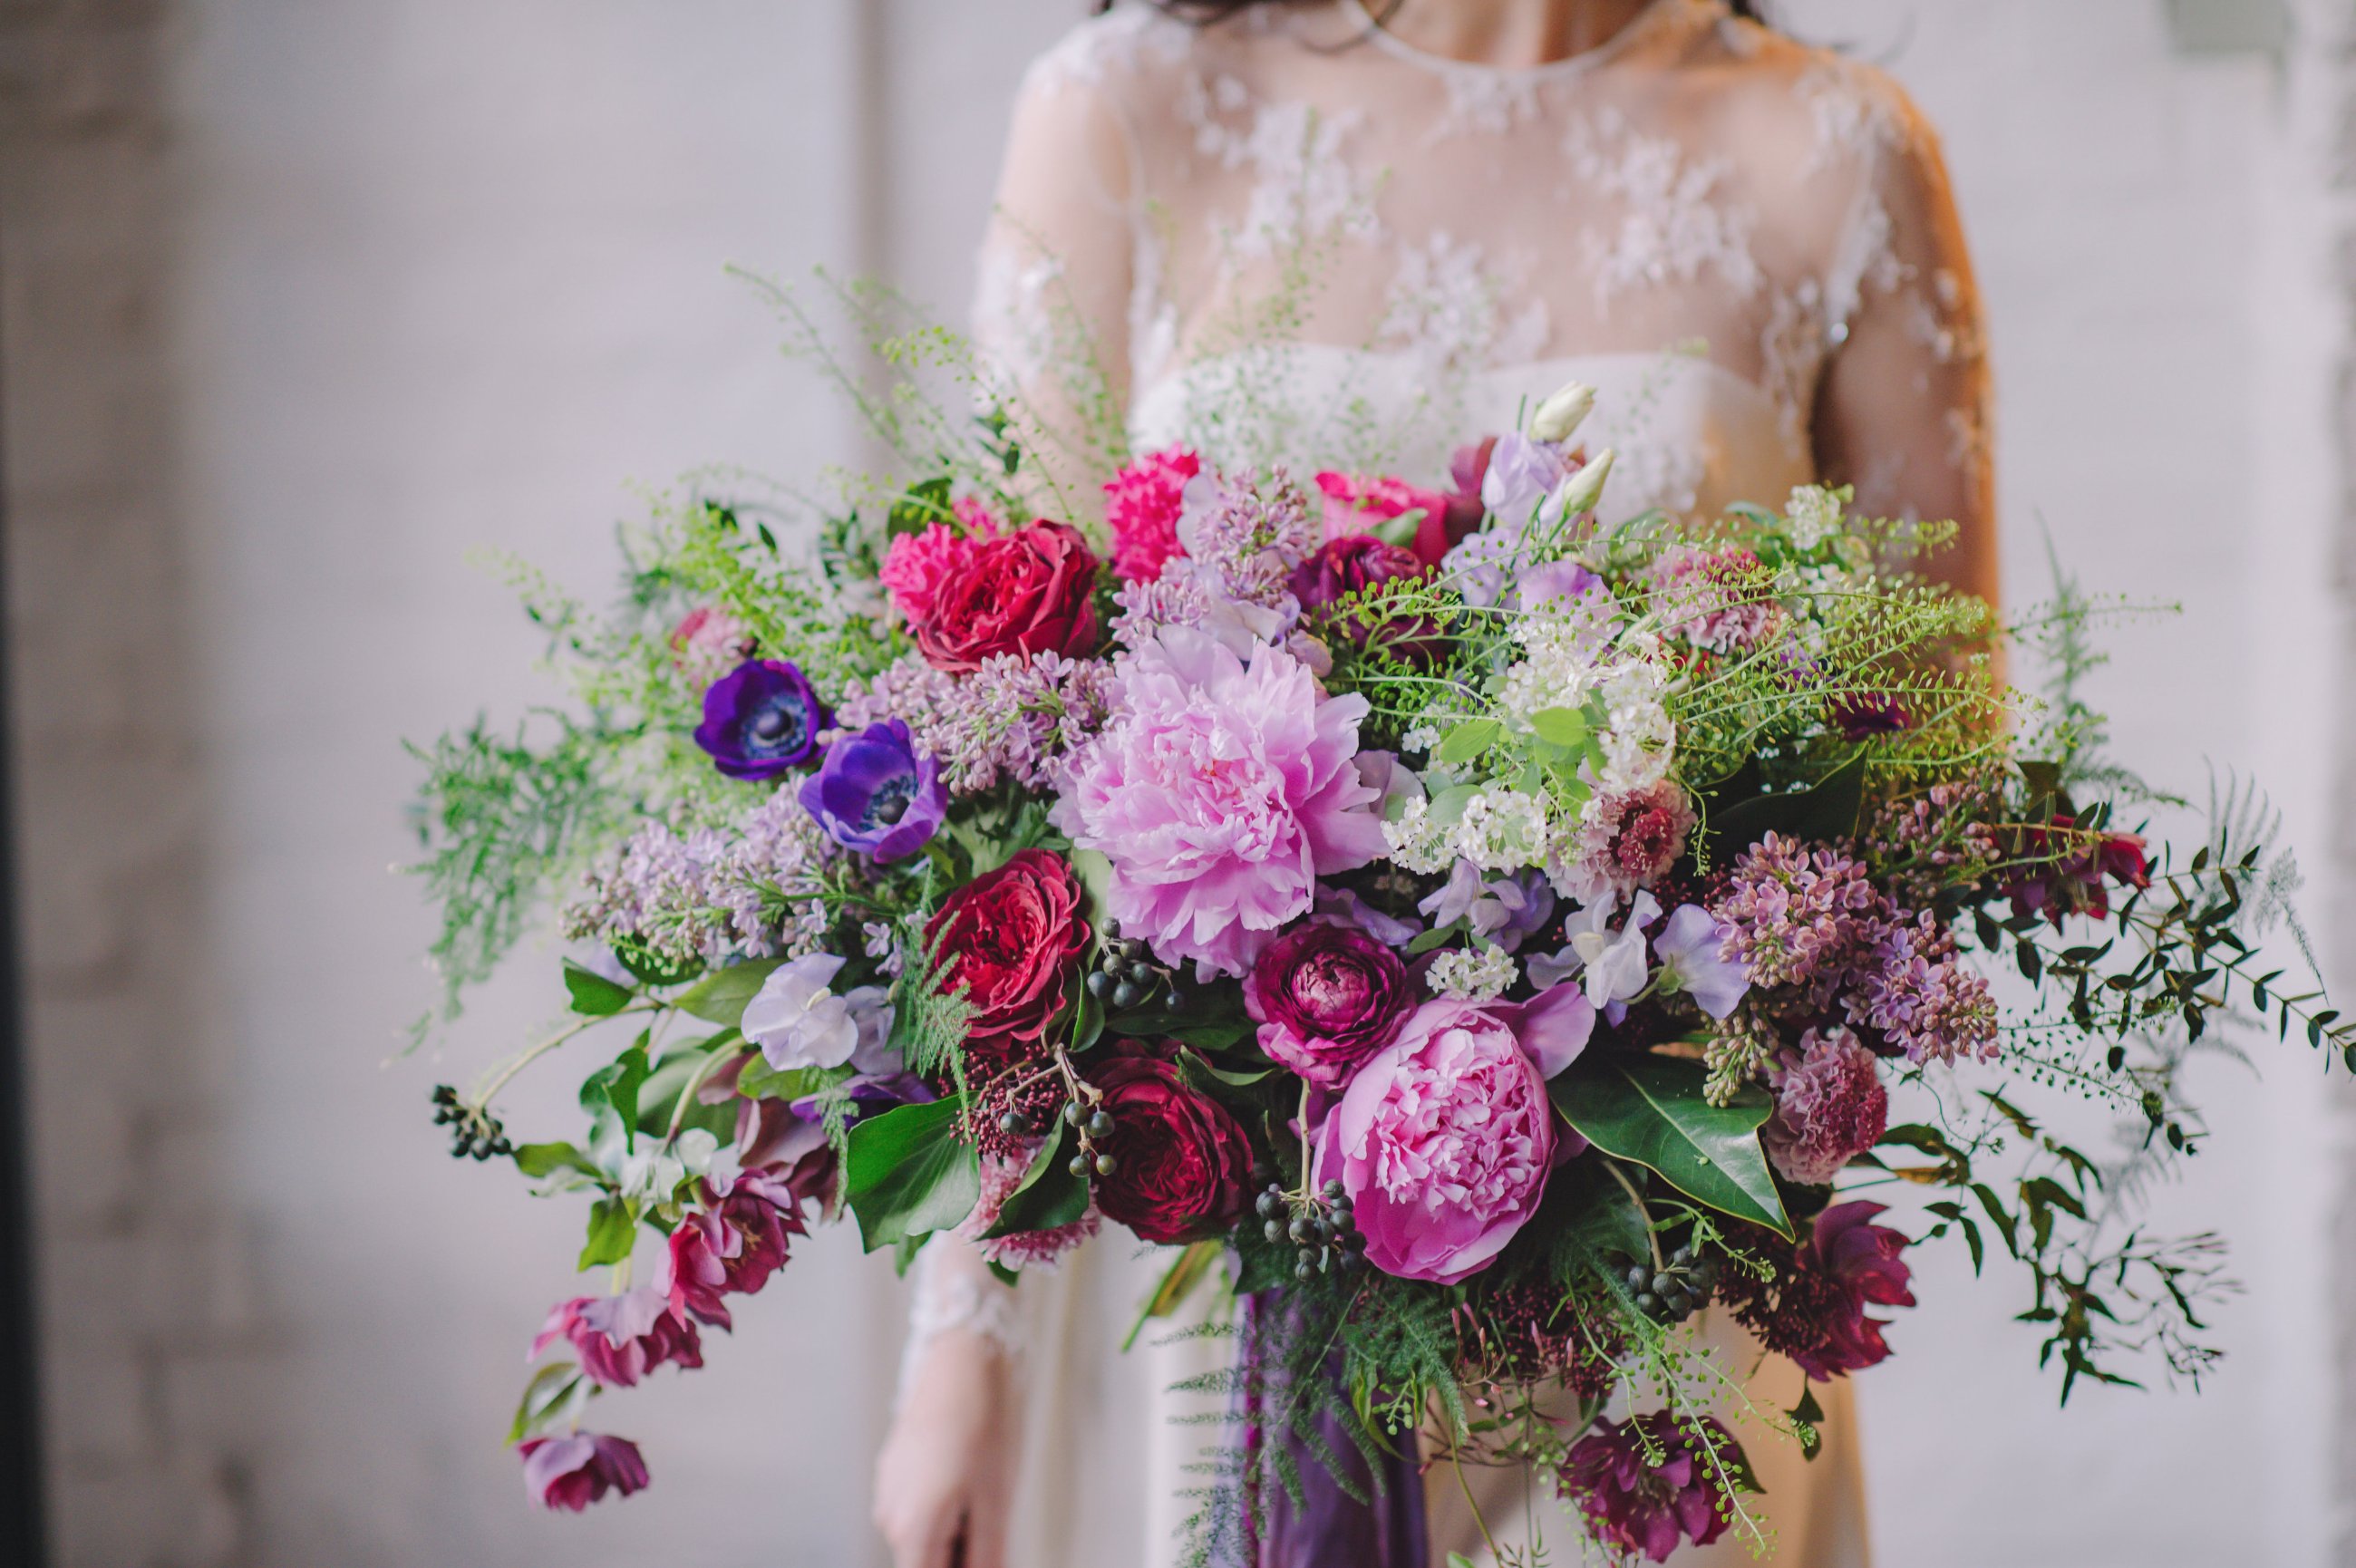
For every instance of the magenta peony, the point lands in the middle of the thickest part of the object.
(1647, 1505)
(1830, 1107)
(574, 1471)
(1326, 996)
(1220, 793)
(1443, 1140)
(1142, 502)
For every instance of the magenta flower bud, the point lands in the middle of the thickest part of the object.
(1326, 996)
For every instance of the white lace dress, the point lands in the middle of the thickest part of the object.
(1295, 238)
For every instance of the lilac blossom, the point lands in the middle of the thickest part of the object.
(1917, 992)
(1801, 916)
(1013, 718)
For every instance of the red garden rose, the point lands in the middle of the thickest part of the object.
(1032, 591)
(1326, 998)
(1182, 1164)
(1013, 937)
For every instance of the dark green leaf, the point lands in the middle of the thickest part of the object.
(1827, 809)
(615, 1088)
(1435, 937)
(1197, 1067)
(652, 968)
(719, 996)
(909, 1174)
(542, 1160)
(1808, 1416)
(594, 996)
(1650, 1109)
(1049, 1194)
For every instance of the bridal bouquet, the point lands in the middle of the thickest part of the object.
(1476, 937)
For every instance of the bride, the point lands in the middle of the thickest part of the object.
(1280, 230)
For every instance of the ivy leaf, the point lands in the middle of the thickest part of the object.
(1650, 1109)
(721, 997)
(594, 996)
(1048, 1195)
(908, 1173)
(613, 1232)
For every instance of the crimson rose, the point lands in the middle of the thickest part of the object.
(1182, 1165)
(1031, 592)
(1355, 568)
(1013, 937)
(1326, 998)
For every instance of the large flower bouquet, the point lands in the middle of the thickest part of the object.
(1474, 937)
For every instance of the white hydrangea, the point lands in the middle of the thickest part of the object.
(1418, 843)
(1503, 830)
(1479, 976)
(1812, 516)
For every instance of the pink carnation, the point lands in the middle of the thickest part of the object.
(1444, 1138)
(917, 565)
(1025, 1249)
(1220, 794)
(1141, 507)
(1830, 1107)
(1359, 504)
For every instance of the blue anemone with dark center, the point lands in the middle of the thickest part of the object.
(760, 720)
(876, 794)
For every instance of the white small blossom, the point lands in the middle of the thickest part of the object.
(1558, 671)
(1639, 739)
(1812, 516)
(1503, 830)
(1418, 843)
(1479, 976)
(1580, 491)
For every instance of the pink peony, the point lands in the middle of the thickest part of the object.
(1220, 794)
(1444, 1138)
(1830, 1107)
(918, 566)
(1356, 504)
(1141, 507)
(572, 1472)
(621, 1339)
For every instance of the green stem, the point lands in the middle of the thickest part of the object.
(482, 1100)
(695, 1081)
(1652, 1238)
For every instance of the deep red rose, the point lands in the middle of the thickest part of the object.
(1326, 998)
(1182, 1164)
(1032, 591)
(1354, 567)
(1013, 936)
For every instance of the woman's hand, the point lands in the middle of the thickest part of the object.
(944, 1478)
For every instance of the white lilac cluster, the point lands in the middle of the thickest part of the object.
(708, 896)
(1473, 974)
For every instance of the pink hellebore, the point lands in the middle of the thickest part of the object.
(621, 1339)
(1444, 1138)
(572, 1472)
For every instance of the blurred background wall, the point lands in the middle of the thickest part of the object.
(301, 300)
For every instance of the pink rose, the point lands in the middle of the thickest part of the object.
(1443, 1140)
(1356, 504)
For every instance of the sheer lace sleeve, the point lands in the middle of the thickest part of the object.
(955, 1291)
(1902, 407)
(1057, 264)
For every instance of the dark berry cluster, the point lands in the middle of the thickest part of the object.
(1126, 976)
(1016, 1111)
(1093, 1124)
(1320, 1228)
(475, 1134)
(1675, 1290)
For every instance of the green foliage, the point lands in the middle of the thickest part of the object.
(1651, 1110)
(910, 1172)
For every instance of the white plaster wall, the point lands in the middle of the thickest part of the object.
(452, 278)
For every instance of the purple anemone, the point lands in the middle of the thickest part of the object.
(875, 794)
(760, 720)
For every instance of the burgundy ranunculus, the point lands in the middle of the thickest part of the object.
(1354, 567)
(1032, 591)
(1813, 1310)
(1326, 996)
(1642, 1506)
(1182, 1164)
(621, 1339)
(1013, 937)
(572, 1472)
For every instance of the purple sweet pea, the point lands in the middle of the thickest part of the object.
(760, 720)
(1691, 951)
(1520, 475)
(876, 794)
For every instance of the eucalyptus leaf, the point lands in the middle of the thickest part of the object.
(1650, 1110)
(721, 997)
(908, 1173)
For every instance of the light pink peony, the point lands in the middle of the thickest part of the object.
(1142, 502)
(1443, 1140)
(1220, 793)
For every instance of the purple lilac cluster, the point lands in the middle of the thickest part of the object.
(1236, 576)
(1010, 720)
(706, 896)
(1917, 992)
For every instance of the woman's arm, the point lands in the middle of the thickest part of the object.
(1903, 408)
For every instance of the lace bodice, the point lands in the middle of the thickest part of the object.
(1294, 235)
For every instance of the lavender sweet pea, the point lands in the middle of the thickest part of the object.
(760, 720)
(876, 794)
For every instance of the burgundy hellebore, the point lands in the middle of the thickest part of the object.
(1649, 1508)
(621, 1339)
(572, 1472)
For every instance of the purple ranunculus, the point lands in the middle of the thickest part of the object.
(1647, 1484)
(575, 1471)
(760, 720)
(1326, 996)
(876, 794)
(1355, 568)
(621, 1339)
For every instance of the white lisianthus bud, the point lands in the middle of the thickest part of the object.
(1563, 412)
(1580, 492)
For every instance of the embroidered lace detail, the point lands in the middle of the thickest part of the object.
(946, 1298)
(1678, 222)
(1447, 306)
(1124, 42)
(1485, 102)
